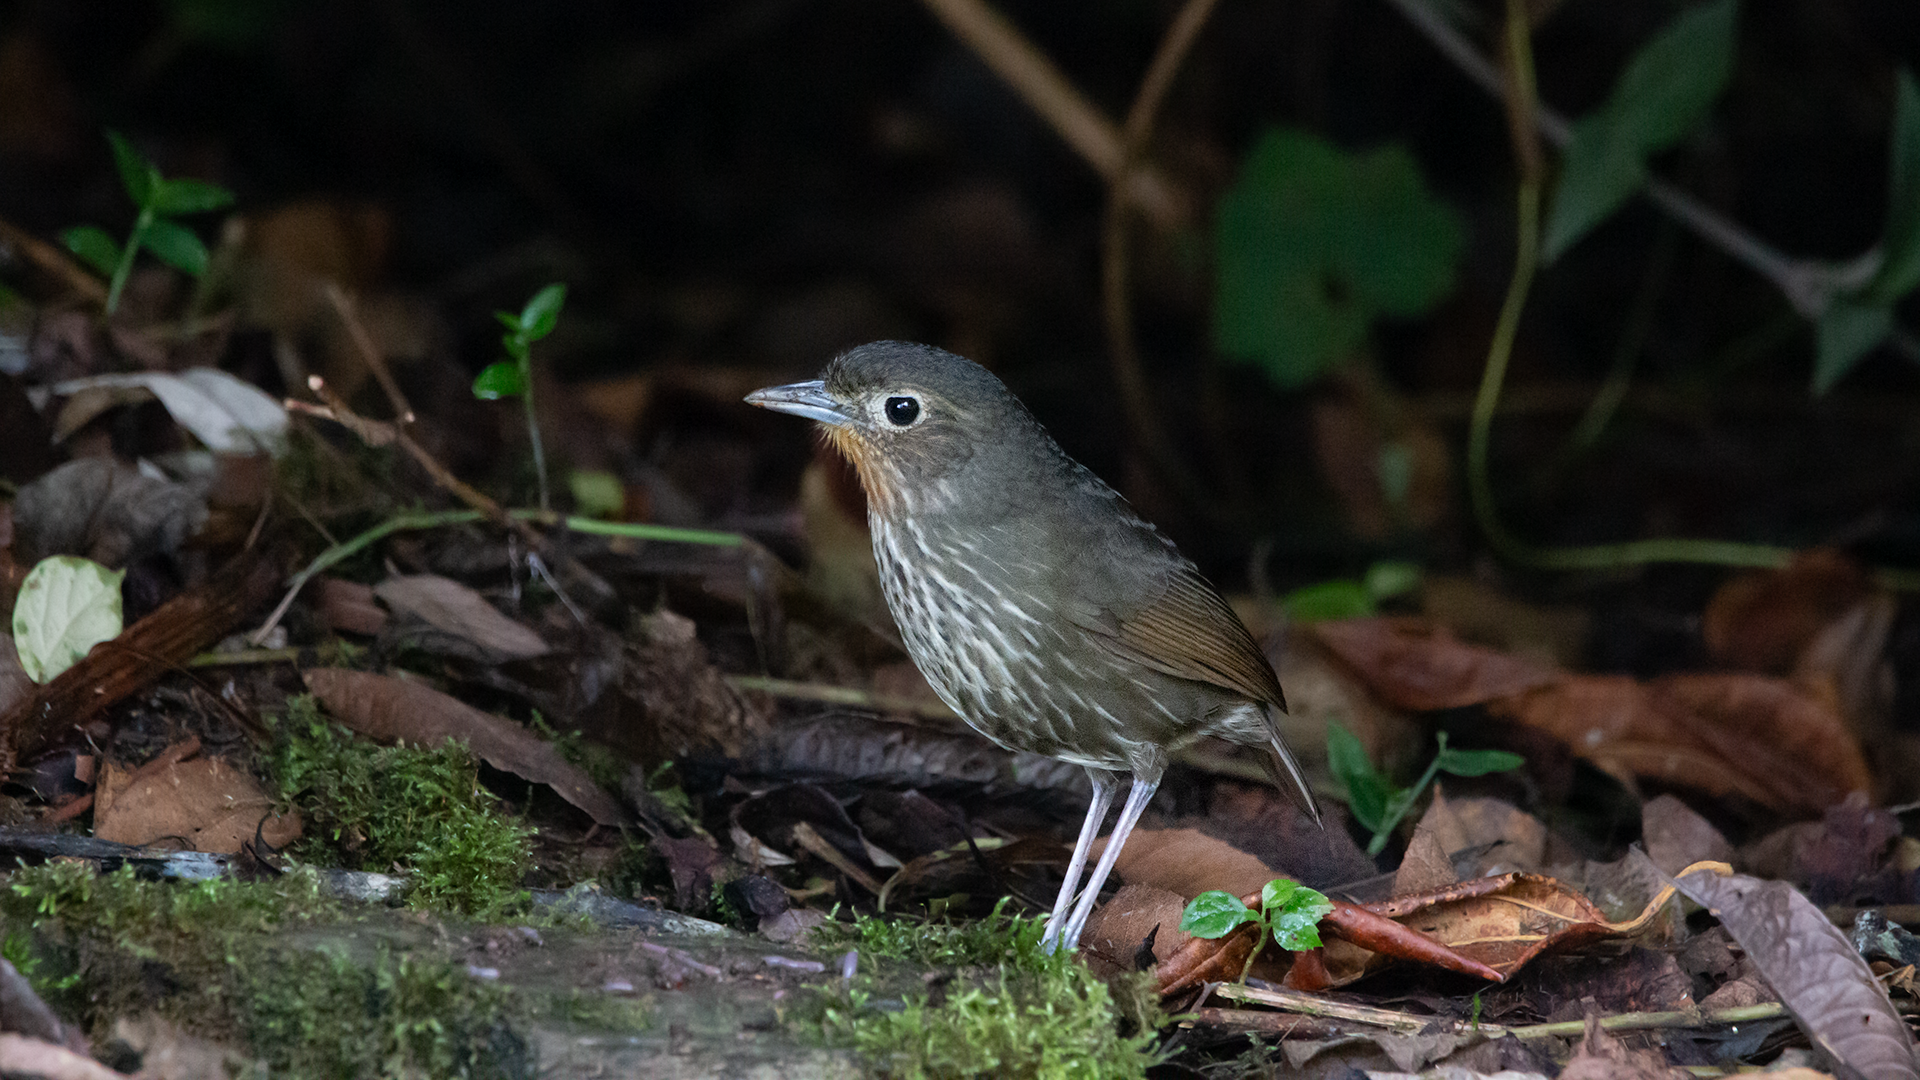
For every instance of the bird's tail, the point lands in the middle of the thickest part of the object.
(1288, 777)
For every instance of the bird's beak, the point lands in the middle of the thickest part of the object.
(809, 399)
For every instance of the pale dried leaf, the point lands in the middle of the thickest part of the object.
(1818, 975)
(453, 608)
(203, 803)
(227, 414)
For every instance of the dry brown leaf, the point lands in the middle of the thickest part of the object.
(1819, 975)
(453, 608)
(1506, 921)
(392, 710)
(1188, 862)
(347, 605)
(1601, 1056)
(1763, 620)
(1724, 734)
(1412, 664)
(204, 804)
(1676, 837)
(1795, 745)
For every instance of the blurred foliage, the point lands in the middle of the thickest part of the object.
(1314, 243)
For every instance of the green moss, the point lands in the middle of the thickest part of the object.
(1012, 1009)
(225, 960)
(421, 810)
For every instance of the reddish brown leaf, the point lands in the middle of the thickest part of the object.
(1503, 922)
(456, 610)
(1379, 934)
(393, 710)
(1411, 664)
(1762, 620)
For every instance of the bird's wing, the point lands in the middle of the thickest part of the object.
(1188, 631)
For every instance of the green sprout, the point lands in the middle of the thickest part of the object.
(1375, 801)
(513, 377)
(159, 200)
(1289, 913)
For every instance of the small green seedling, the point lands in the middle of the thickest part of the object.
(1290, 914)
(513, 377)
(1375, 801)
(1346, 598)
(159, 200)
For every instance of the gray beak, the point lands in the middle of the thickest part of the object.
(809, 399)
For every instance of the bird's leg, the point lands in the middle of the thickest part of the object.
(1105, 784)
(1138, 796)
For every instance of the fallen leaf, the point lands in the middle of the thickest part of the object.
(1506, 921)
(1822, 980)
(203, 804)
(347, 605)
(1412, 664)
(227, 414)
(454, 609)
(1676, 837)
(1763, 620)
(1600, 1056)
(393, 710)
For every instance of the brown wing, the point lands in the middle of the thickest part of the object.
(1191, 632)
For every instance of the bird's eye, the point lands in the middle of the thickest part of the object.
(902, 411)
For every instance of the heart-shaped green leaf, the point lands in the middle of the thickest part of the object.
(66, 606)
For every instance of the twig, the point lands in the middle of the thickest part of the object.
(1294, 1001)
(54, 261)
(1500, 351)
(352, 546)
(1123, 348)
(369, 352)
(1047, 90)
(850, 696)
(1809, 285)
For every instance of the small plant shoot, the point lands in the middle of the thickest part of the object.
(1289, 913)
(1380, 805)
(513, 377)
(159, 201)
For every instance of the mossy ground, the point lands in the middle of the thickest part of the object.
(997, 1005)
(227, 960)
(421, 810)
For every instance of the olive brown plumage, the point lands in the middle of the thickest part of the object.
(1036, 602)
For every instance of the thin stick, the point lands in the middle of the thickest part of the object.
(1808, 285)
(54, 261)
(369, 352)
(1123, 348)
(1050, 93)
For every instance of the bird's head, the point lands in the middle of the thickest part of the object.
(913, 419)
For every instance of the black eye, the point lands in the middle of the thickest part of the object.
(902, 410)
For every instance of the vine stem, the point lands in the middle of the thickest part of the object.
(1522, 105)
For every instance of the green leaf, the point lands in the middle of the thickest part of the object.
(176, 245)
(1601, 169)
(596, 493)
(1314, 243)
(1847, 332)
(137, 174)
(1664, 93)
(1215, 914)
(1478, 762)
(542, 312)
(1671, 83)
(66, 606)
(1369, 795)
(1341, 598)
(187, 196)
(500, 379)
(1294, 912)
(1390, 578)
(95, 248)
(1900, 247)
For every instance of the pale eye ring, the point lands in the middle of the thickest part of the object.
(902, 410)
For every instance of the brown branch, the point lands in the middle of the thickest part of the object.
(1123, 348)
(1050, 93)
(53, 261)
(369, 352)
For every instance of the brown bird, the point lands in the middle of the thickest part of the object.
(1036, 602)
